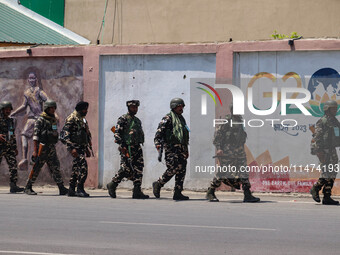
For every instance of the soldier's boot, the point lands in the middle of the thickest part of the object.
(80, 190)
(14, 188)
(178, 195)
(327, 200)
(138, 193)
(315, 193)
(72, 190)
(211, 195)
(28, 189)
(111, 188)
(156, 188)
(248, 197)
(62, 190)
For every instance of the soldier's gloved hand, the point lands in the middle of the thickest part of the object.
(74, 153)
(2, 138)
(219, 153)
(321, 156)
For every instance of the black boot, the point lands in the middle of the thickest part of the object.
(178, 195)
(72, 190)
(248, 197)
(111, 188)
(327, 200)
(80, 190)
(156, 186)
(138, 193)
(315, 193)
(28, 189)
(211, 195)
(62, 190)
(14, 188)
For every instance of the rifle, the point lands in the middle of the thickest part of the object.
(128, 156)
(220, 156)
(36, 161)
(160, 153)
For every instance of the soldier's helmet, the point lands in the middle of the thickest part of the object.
(329, 104)
(132, 102)
(6, 104)
(176, 102)
(49, 103)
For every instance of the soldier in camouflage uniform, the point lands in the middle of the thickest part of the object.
(327, 138)
(45, 137)
(8, 144)
(173, 134)
(229, 141)
(129, 135)
(77, 137)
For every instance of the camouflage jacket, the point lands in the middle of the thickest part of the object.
(164, 132)
(46, 130)
(7, 128)
(327, 135)
(129, 131)
(76, 133)
(231, 139)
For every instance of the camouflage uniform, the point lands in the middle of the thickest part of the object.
(77, 135)
(8, 149)
(176, 153)
(326, 141)
(231, 141)
(129, 134)
(46, 133)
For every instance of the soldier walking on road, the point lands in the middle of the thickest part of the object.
(129, 135)
(45, 137)
(229, 141)
(327, 138)
(173, 134)
(77, 137)
(8, 144)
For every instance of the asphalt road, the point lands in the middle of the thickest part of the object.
(50, 224)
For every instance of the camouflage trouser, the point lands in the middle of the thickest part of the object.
(232, 176)
(176, 163)
(125, 171)
(49, 156)
(79, 168)
(11, 160)
(328, 174)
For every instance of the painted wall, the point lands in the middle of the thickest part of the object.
(61, 78)
(173, 21)
(276, 144)
(154, 80)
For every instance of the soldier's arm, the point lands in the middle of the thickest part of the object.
(13, 138)
(218, 136)
(119, 132)
(161, 130)
(68, 129)
(318, 137)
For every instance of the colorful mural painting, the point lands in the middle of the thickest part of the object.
(27, 83)
(286, 146)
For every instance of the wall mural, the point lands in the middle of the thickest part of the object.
(27, 83)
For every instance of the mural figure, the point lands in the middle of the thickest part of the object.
(34, 97)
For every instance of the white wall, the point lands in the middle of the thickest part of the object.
(154, 80)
